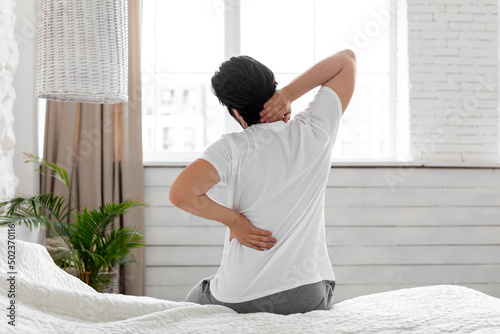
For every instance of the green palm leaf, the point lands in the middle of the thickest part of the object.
(103, 216)
(102, 247)
(90, 244)
(117, 245)
(30, 221)
(55, 206)
(57, 172)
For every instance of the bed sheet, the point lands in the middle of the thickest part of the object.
(48, 300)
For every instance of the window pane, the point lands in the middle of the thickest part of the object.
(341, 25)
(189, 35)
(148, 37)
(168, 139)
(278, 33)
(183, 44)
(365, 132)
(189, 139)
(187, 115)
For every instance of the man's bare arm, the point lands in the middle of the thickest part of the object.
(337, 72)
(189, 193)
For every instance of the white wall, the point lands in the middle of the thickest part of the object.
(453, 80)
(402, 88)
(25, 106)
(8, 63)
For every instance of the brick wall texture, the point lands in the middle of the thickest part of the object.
(452, 66)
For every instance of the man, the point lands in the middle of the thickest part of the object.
(275, 257)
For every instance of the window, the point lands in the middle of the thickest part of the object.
(185, 41)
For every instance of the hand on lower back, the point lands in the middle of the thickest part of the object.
(249, 235)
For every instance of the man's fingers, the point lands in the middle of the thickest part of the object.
(268, 102)
(259, 245)
(269, 106)
(269, 111)
(273, 115)
(271, 100)
(263, 112)
(265, 245)
(257, 231)
(276, 117)
(264, 119)
(286, 118)
(261, 238)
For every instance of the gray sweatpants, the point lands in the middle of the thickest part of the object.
(302, 299)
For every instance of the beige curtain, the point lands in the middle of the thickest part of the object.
(101, 147)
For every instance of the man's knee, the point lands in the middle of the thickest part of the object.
(200, 293)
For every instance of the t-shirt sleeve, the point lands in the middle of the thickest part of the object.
(325, 111)
(219, 155)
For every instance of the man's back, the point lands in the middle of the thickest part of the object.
(276, 174)
(275, 249)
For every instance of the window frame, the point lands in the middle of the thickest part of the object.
(232, 46)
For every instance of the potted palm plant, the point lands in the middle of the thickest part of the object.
(88, 245)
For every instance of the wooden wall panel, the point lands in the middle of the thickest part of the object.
(387, 228)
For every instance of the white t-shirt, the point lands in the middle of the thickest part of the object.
(276, 175)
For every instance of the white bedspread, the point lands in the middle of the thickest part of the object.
(50, 301)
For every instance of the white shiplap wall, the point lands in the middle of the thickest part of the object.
(387, 228)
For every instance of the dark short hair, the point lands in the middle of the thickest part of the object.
(244, 84)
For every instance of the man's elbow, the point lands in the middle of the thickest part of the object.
(350, 54)
(176, 197)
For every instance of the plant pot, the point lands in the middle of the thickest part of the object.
(111, 287)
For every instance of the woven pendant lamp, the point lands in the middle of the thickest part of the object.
(82, 51)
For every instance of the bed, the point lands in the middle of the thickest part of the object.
(48, 300)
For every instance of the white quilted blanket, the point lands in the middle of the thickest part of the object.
(50, 301)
